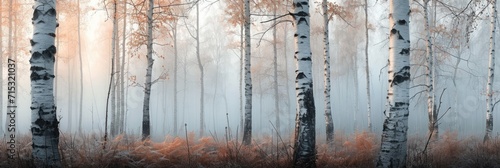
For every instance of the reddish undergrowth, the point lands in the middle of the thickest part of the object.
(358, 150)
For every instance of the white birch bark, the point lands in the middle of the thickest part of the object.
(149, 71)
(328, 106)
(44, 124)
(367, 71)
(491, 70)
(304, 154)
(242, 60)
(2, 127)
(247, 129)
(431, 111)
(394, 135)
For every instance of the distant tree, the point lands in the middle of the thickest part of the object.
(202, 72)
(80, 57)
(367, 70)
(491, 70)
(430, 72)
(394, 136)
(149, 71)
(304, 154)
(326, 41)
(44, 124)
(112, 78)
(1, 67)
(247, 128)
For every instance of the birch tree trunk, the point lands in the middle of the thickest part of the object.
(116, 85)
(44, 124)
(242, 60)
(491, 70)
(9, 48)
(2, 130)
(247, 129)
(304, 154)
(328, 106)
(111, 80)
(431, 111)
(367, 71)
(202, 73)
(394, 135)
(81, 69)
(114, 120)
(149, 71)
(121, 119)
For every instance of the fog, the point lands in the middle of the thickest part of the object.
(463, 99)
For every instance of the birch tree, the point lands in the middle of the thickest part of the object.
(247, 128)
(1, 72)
(121, 82)
(202, 73)
(394, 135)
(80, 111)
(367, 70)
(326, 42)
(112, 78)
(304, 154)
(149, 71)
(491, 70)
(44, 124)
(430, 72)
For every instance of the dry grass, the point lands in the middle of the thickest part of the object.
(359, 150)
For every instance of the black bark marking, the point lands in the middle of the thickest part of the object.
(36, 13)
(306, 59)
(405, 51)
(36, 55)
(52, 49)
(51, 12)
(298, 5)
(32, 42)
(35, 76)
(37, 68)
(401, 22)
(302, 20)
(401, 76)
(394, 31)
(52, 34)
(303, 37)
(301, 76)
(399, 36)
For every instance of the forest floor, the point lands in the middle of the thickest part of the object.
(359, 150)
